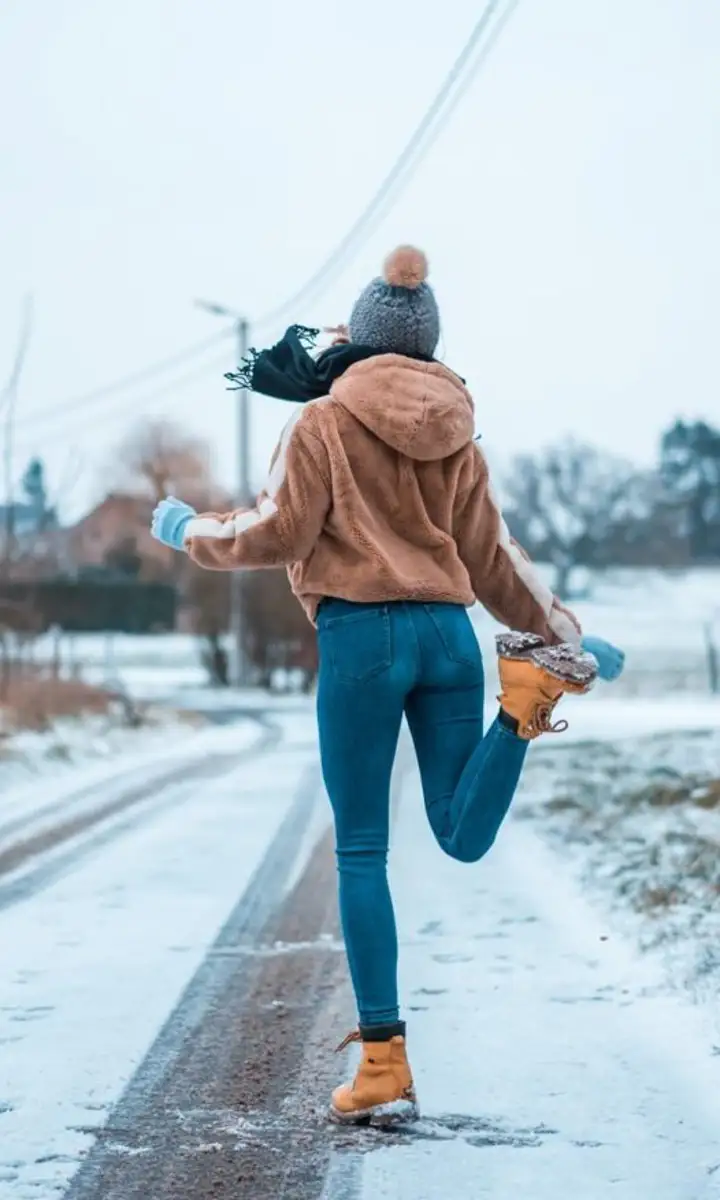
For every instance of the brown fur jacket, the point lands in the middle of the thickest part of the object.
(378, 492)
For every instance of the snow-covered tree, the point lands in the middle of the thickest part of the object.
(574, 501)
(690, 470)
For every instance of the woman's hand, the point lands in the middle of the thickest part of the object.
(340, 334)
(169, 521)
(610, 660)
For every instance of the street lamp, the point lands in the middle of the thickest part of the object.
(240, 667)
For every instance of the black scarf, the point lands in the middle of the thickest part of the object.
(288, 371)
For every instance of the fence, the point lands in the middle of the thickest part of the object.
(87, 606)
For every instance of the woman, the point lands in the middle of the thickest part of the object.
(379, 503)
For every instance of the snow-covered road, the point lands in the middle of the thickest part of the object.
(549, 1059)
(93, 963)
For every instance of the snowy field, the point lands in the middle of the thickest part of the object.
(637, 818)
(658, 618)
(58, 752)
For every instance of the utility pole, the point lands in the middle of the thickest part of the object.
(240, 667)
(241, 672)
(8, 403)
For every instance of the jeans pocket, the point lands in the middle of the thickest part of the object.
(456, 633)
(358, 646)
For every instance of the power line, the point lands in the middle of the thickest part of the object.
(119, 410)
(463, 87)
(134, 378)
(422, 138)
(9, 390)
(9, 404)
(122, 406)
(407, 163)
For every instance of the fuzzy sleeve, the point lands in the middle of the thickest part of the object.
(285, 523)
(502, 576)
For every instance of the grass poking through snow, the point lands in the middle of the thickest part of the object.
(641, 821)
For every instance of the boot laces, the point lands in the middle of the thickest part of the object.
(355, 1036)
(541, 719)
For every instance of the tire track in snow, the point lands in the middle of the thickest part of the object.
(141, 801)
(73, 797)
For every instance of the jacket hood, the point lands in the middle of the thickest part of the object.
(421, 409)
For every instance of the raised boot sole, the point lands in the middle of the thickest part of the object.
(575, 669)
(518, 646)
(395, 1112)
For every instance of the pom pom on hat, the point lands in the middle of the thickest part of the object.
(398, 313)
(406, 267)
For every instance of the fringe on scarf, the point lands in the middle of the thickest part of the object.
(243, 377)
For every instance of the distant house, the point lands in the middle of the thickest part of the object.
(113, 534)
(112, 539)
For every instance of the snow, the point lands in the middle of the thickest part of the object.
(551, 1054)
(213, 700)
(639, 823)
(166, 747)
(71, 743)
(548, 1059)
(658, 617)
(603, 714)
(93, 965)
(145, 665)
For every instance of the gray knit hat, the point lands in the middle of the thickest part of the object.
(398, 313)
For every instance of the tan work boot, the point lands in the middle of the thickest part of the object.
(382, 1092)
(534, 677)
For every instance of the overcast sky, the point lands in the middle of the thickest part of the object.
(154, 151)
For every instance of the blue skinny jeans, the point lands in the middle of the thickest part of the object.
(378, 662)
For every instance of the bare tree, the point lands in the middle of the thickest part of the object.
(574, 502)
(690, 471)
(207, 595)
(159, 458)
(278, 633)
(8, 404)
(20, 624)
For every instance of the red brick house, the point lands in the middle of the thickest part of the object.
(120, 521)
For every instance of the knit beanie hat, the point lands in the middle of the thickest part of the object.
(398, 314)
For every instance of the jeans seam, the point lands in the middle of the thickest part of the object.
(460, 662)
(418, 647)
